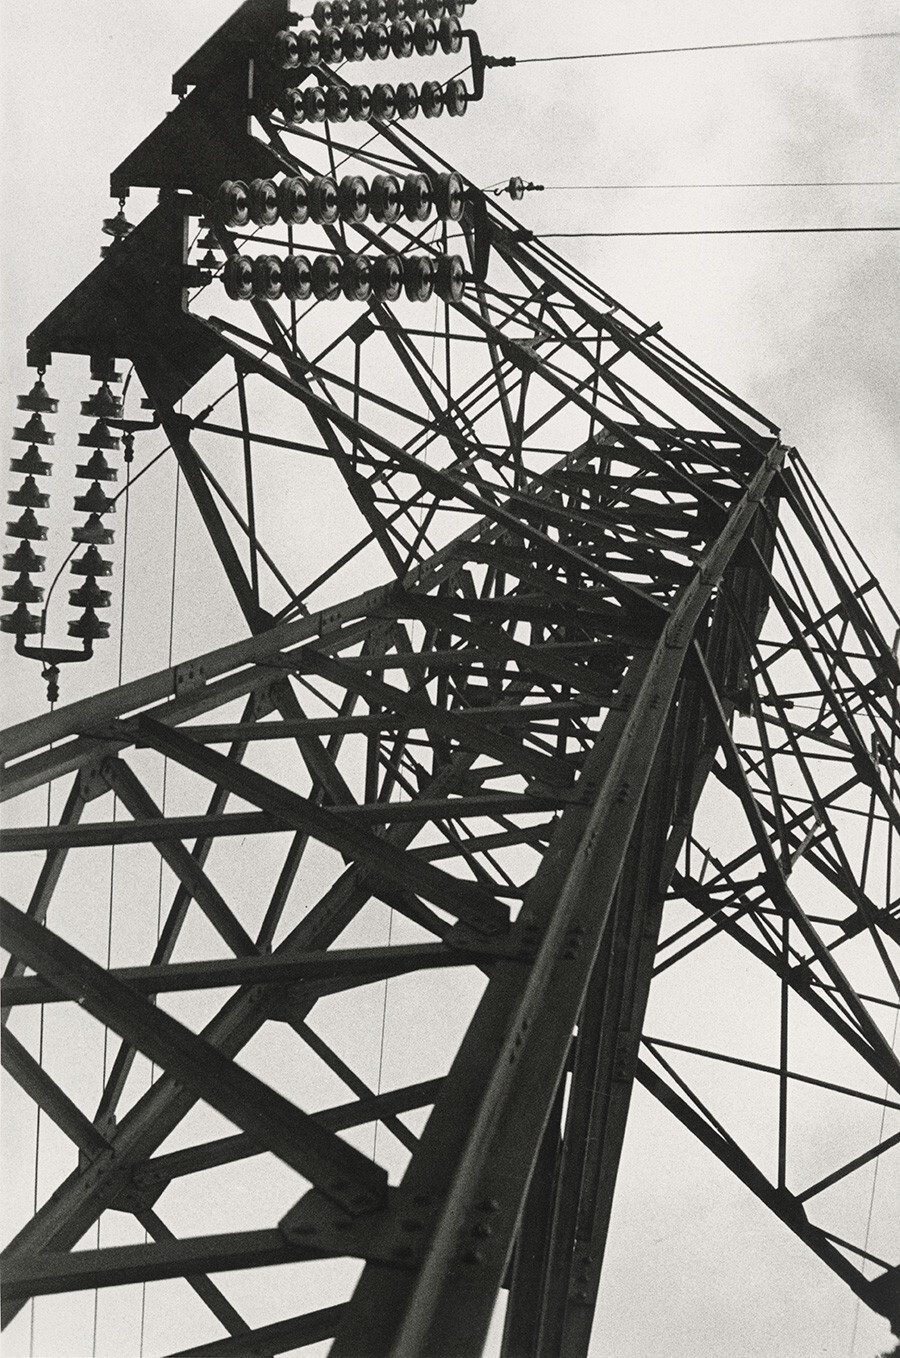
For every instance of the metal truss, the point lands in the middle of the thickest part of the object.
(578, 724)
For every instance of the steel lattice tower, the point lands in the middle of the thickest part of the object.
(560, 700)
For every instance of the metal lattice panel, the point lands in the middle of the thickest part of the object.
(559, 700)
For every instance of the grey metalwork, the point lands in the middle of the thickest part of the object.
(591, 584)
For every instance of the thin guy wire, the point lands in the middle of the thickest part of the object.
(383, 1026)
(872, 1194)
(37, 1124)
(165, 779)
(37, 1135)
(112, 852)
(706, 47)
(391, 913)
(37, 1127)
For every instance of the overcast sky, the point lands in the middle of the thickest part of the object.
(802, 326)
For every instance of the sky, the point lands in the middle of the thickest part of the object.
(802, 326)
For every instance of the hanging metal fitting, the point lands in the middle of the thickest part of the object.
(517, 189)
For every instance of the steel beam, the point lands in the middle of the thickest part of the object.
(340, 1171)
(462, 899)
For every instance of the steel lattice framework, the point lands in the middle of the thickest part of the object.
(581, 687)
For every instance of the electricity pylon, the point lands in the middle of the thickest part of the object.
(575, 721)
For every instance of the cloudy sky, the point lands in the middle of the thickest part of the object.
(802, 326)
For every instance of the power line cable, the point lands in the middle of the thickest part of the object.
(706, 47)
(755, 184)
(722, 231)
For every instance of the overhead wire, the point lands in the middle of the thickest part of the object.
(717, 231)
(750, 184)
(704, 47)
(856, 1311)
(112, 850)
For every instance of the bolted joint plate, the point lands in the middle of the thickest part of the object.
(139, 1194)
(187, 677)
(381, 1236)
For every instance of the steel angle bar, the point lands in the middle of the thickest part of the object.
(856, 1163)
(80, 1199)
(319, 759)
(475, 733)
(528, 1268)
(859, 755)
(478, 1148)
(465, 806)
(34, 1080)
(785, 1205)
(606, 1048)
(463, 899)
(173, 923)
(157, 830)
(883, 1102)
(533, 835)
(247, 443)
(809, 988)
(40, 1275)
(340, 1171)
(296, 365)
(520, 1036)
(177, 429)
(451, 485)
(605, 1054)
(139, 804)
(38, 770)
(165, 686)
(212, 1297)
(350, 1078)
(282, 1337)
(225, 1150)
(49, 875)
(177, 686)
(221, 733)
(351, 966)
(878, 1050)
(850, 606)
(669, 369)
(536, 658)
